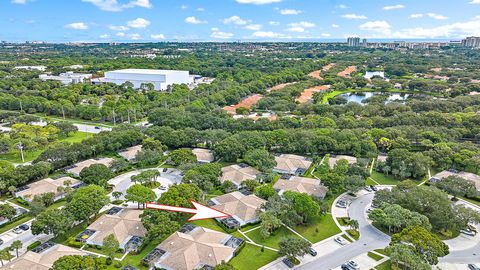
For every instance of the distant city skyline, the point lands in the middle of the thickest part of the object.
(233, 20)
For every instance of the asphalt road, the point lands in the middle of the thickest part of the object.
(370, 239)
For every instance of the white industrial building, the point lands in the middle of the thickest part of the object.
(161, 79)
(67, 77)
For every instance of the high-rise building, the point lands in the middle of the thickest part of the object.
(364, 42)
(353, 41)
(472, 42)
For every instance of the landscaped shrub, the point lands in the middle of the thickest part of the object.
(34, 245)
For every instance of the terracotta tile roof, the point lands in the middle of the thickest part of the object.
(346, 73)
(310, 186)
(239, 205)
(47, 185)
(238, 174)
(200, 247)
(43, 260)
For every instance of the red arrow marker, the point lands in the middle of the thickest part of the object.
(201, 211)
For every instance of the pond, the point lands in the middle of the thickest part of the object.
(360, 97)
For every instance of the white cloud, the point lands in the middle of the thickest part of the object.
(393, 7)
(335, 26)
(120, 34)
(381, 27)
(193, 20)
(454, 30)
(138, 23)
(354, 17)
(416, 16)
(201, 9)
(299, 27)
(475, 2)
(157, 36)
(184, 7)
(115, 6)
(342, 6)
(104, 36)
(325, 35)
(437, 16)
(290, 11)
(216, 33)
(274, 23)
(20, 2)
(258, 2)
(268, 34)
(253, 27)
(134, 36)
(118, 28)
(235, 20)
(77, 26)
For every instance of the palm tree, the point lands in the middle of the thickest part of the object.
(353, 223)
(12, 190)
(4, 255)
(16, 245)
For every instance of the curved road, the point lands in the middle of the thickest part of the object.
(370, 238)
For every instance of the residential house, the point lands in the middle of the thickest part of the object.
(203, 155)
(47, 185)
(310, 186)
(465, 175)
(238, 173)
(78, 167)
(124, 223)
(194, 247)
(42, 257)
(131, 152)
(242, 208)
(332, 161)
(292, 164)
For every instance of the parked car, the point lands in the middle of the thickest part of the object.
(368, 188)
(473, 267)
(162, 188)
(345, 267)
(288, 263)
(97, 127)
(374, 188)
(340, 240)
(369, 210)
(17, 230)
(312, 252)
(1, 242)
(24, 227)
(341, 204)
(468, 232)
(353, 265)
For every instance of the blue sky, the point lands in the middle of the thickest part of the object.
(230, 20)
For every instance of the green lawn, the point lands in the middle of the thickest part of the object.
(100, 251)
(326, 228)
(15, 156)
(384, 266)
(77, 137)
(384, 179)
(252, 257)
(370, 182)
(274, 239)
(374, 256)
(209, 224)
(8, 226)
(354, 234)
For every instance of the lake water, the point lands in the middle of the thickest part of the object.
(360, 97)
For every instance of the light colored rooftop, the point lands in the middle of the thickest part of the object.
(47, 185)
(239, 205)
(310, 186)
(203, 155)
(290, 163)
(238, 174)
(78, 167)
(131, 152)
(122, 225)
(147, 71)
(43, 260)
(200, 247)
(332, 161)
(465, 175)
